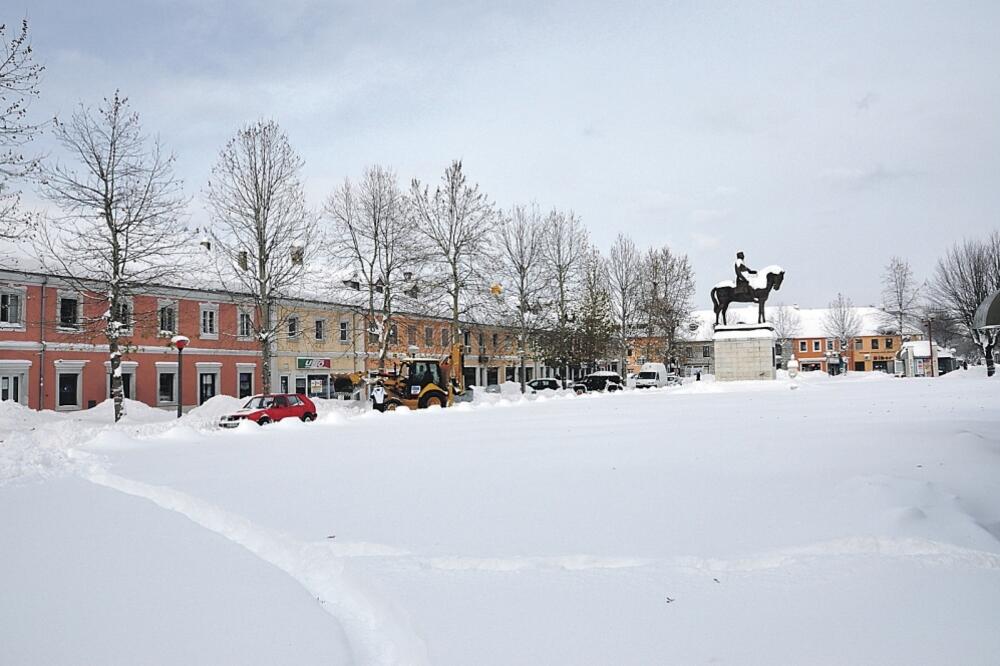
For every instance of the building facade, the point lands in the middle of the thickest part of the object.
(53, 354)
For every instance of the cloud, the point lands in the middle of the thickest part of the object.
(856, 178)
(870, 98)
(704, 241)
(708, 215)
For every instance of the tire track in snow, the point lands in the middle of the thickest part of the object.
(375, 635)
(923, 550)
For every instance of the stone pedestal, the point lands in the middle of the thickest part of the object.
(744, 352)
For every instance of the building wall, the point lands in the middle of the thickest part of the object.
(306, 363)
(874, 352)
(41, 349)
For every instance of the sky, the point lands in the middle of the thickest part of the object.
(823, 137)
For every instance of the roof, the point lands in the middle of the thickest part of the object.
(922, 349)
(811, 321)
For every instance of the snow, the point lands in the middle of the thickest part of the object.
(853, 520)
(750, 333)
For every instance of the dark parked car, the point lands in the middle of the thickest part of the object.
(264, 409)
(605, 380)
(545, 383)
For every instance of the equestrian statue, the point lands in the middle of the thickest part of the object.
(746, 289)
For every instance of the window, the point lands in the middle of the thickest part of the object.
(445, 337)
(345, 331)
(10, 309)
(393, 335)
(283, 384)
(167, 316)
(888, 343)
(244, 328)
(166, 386)
(243, 260)
(69, 312)
(874, 343)
(209, 321)
(803, 346)
(372, 334)
(298, 255)
(245, 384)
(123, 314)
(829, 344)
(411, 336)
(496, 341)
(127, 369)
(320, 332)
(293, 327)
(706, 351)
(859, 344)
(815, 345)
(429, 336)
(467, 339)
(482, 340)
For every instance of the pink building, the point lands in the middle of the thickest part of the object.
(53, 354)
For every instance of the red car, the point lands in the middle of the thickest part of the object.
(272, 407)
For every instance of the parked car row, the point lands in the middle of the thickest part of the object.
(271, 408)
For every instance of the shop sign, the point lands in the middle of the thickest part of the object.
(315, 386)
(308, 363)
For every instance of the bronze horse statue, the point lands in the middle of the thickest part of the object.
(724, 294)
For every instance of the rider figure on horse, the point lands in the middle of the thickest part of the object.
(742, 284)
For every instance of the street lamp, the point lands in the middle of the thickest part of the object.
(180, 342)
(930, 344)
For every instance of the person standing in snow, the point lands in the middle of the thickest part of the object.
(742, 284)
(378, 397)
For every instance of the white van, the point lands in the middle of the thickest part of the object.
(652, 375)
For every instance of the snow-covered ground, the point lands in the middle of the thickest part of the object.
(850, 520)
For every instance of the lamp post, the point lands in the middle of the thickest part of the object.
(930, 344)
(180, 342)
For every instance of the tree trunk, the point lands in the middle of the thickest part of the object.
(265, 347)
(116, 378)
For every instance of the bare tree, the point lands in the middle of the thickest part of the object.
(899, 295)
(593, 326)
(565, 251)
(665, 299)
(522, 245)
(842, 322)
(264, 233)
(965, 276)
(624, 278)
(457, 221)
(120, 225)
(787, 326)
(19, 76)
(374, 234)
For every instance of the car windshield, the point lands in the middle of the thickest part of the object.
(647, 375)
(259, 402)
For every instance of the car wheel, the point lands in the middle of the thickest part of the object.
(391, 405)
(307, 417)
(579, 391)
(263, 420)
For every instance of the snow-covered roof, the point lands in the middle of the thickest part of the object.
(811, 320)
(922, 349)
